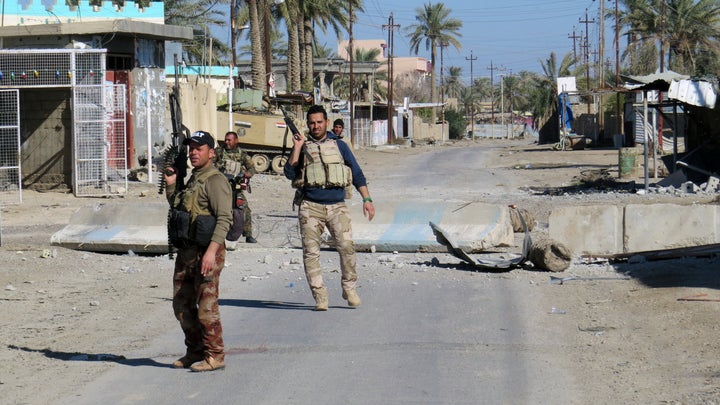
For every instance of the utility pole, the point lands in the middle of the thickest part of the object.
(574, 37)
(472, 95)
(391, 48)
(352, 78)
(492, 70)
(586, 54)
(618, 117)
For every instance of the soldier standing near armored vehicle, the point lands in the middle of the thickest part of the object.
(231, 160)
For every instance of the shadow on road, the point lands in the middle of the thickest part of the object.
(264, 304)
(92, 357)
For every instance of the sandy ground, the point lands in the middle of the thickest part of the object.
(68, 314)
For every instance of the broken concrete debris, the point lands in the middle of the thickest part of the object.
(517, 225)
(550, 255)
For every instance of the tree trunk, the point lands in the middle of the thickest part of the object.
(293, 47)
(307, 74)
(258, 61)
(433, 87)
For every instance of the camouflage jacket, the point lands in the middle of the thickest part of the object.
(233, 161)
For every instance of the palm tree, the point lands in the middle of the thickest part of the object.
(453, 86)
(256, 41)
(543, 98)
(324, 14)
(363, 81)
(200, 15)
(689, 29)
(434, 27)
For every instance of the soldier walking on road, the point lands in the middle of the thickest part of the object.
(320, 167)
(233, 161)
(201, 215)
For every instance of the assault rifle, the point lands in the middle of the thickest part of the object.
(290, 124)
(175, 157)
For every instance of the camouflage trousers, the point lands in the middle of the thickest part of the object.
(314, 218)
(247, 213)
(195, 302)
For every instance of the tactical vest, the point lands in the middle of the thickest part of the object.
(324, 165)
(231, 161)
(190, 223)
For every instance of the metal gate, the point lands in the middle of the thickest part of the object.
(99, 145)
(10, 173)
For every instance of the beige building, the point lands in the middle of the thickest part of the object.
(401, 65)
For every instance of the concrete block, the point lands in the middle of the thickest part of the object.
(116, 227)
(404, 226)
(667, 226)
(713, 184)
(593, 229)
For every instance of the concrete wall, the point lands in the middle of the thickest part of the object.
(424, 131)
(610, 229)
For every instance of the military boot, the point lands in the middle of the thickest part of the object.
(321, 298)
(352, 297)
(188, 359)
(208, 364)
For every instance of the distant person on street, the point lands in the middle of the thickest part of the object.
(338, 127)
(201, 215)
(233, 161)
(320, 167)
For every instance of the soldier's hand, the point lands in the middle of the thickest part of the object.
(170, 176)
(369, 210)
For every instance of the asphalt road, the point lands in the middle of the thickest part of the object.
(423, 335)
(429, 336)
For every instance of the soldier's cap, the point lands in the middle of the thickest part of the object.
(202, 138)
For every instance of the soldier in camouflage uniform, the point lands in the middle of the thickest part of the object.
(321, 166)
(232, 161)
(200, 218)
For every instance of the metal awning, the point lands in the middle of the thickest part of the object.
(119, 26)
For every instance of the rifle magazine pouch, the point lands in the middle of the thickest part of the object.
(204, 229)
(238, 224)
(179, 227)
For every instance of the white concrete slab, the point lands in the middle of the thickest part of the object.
(590, 229)
(667, 226)
(116, 227)
(404, 226)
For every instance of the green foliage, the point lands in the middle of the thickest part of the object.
(457, 123)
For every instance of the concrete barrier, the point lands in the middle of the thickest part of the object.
(666, 226)
(398, 226)
(634, 228)
(403, 226)
(588, 229)
(116, 227)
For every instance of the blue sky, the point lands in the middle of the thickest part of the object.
(513, 34)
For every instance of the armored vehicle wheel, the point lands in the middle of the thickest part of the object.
(278, 163)
(261, 162)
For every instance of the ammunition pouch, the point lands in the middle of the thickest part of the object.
(298, 198)
(179, 229)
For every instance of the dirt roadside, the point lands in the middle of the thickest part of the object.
(68, 315)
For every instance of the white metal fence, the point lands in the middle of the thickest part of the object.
(99, 150)
(99, 145)
(10, 173)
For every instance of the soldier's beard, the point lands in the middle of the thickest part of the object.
(317, 137)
